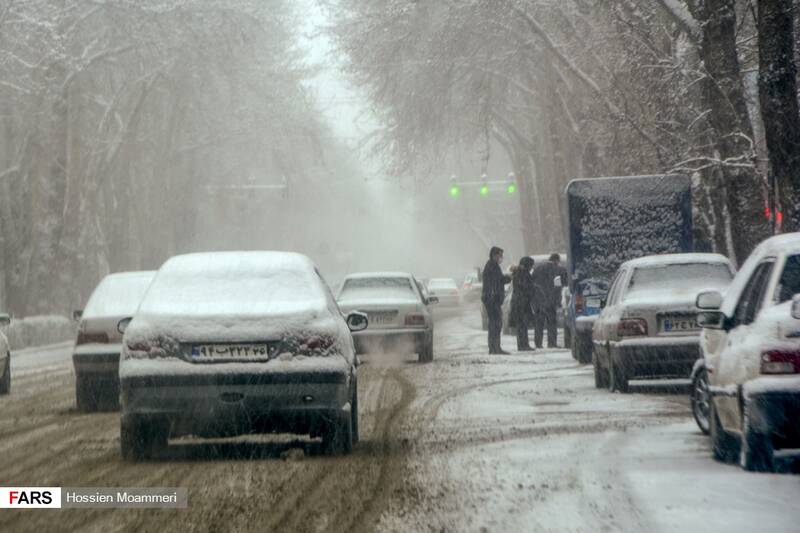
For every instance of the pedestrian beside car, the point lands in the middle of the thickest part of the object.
(522, 298)
(549, 277)
(493, 294)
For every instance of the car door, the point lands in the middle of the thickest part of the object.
(727, 374)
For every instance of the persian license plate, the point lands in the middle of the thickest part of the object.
(678, 324)
(382, 317)
(230, 351)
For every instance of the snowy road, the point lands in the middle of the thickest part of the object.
(470, 442)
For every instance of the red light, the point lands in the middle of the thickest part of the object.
(779, 217)
(632, 327)
(779, 362)
(415, 319)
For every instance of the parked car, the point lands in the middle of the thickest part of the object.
(231, 343)
(99, 342)
(471, 287)
(5, 356)
(397, 307)
(751, 346)
(647, 328)
(446, 290)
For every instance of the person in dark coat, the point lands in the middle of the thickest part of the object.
(548, 300)
(493, 295)
(522, 299)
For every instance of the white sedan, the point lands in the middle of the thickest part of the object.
(446, 290)
(397, 308)
(231, 343)
(751, 348)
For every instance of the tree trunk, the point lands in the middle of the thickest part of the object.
(777, 83)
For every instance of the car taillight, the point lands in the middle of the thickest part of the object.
(780, 362)
(415, 319)
(144, 346)
(579, 303)
(91, 338)
(632, 327)
(315, 345)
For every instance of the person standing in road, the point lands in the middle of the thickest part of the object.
(549, 297)
(522, 299)
(493, 295)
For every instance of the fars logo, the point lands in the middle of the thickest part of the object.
(30, 497)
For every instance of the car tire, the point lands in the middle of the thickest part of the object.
(354, 411)
(85, 395)
(568, 338)
(582, 349)
(600, 374)
(338, 439)
(141, 438)
(5, 383)
(724, 446)
(616, 377)
(701, 401)
(755, 452)
(426, 352)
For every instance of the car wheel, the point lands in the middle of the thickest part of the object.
(426, 352)
(756, 453)
(700, 401)
(141, 438)
(354, 411)
(568, 338)
(582, 349)
(85, 395)
(724, 446)
(5, 383)
(616, 380)
(600, 374)
(338, 439)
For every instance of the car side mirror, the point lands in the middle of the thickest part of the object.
(357, 321)
(77, 314)
(5, 319)
(433, 300)
(796, 306)
(602, 304)
(710, 300)
(122, 325)
(711, 319)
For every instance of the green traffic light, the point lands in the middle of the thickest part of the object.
(484, 190)
(454, 191)
(512, 189)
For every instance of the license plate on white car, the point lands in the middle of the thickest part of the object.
(381, 317)
(230, 351)
(678, 324)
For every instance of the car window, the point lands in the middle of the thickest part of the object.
(332, 305)
(789, 283)
(615, 285)
(753, 294)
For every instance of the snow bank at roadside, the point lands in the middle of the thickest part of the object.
(39, 330)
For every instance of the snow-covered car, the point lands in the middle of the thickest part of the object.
(5, 356)
(446, 290)
(471, 287)
(751, 346)
(397, 307)
(230, 343)
(648, 328)
(99, 341)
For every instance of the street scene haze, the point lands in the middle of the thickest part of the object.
(427, 266)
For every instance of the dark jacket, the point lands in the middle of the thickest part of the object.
(549, 296)
(523, 296)
(494, 281)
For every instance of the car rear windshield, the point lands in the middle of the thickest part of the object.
(217, 290)
(688, 276)
(117, 296)
(442, 284)
(377, 283)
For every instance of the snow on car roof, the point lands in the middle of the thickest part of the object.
(236, 283)
(676, 259)
(118, 294)
(787, 242)
(360, 275)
